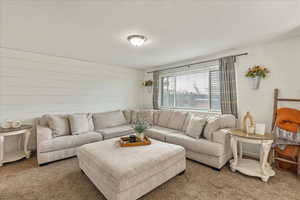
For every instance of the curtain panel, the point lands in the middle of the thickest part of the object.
(155, 90)
(228, 86)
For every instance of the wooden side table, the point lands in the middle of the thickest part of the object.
(251, 167)
(24, 132)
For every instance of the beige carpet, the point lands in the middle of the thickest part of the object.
(63, 180)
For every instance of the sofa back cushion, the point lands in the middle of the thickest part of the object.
(145, 115)
(164, 117)
(195, 127)
(212, 125)
(227, 121)
(177, 120)
(81, 123)
(59, 124)
(108, 119)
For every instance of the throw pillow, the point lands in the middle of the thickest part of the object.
(212, 125)
(195, 127)
(91, 122)
(59, 124)
(127, 115)
(79, 123)
(187, 121)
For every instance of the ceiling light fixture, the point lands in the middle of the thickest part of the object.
(136, 40)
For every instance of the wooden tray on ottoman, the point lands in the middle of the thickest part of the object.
(124, 142)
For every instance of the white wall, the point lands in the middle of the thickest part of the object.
(34, 84)
(283, 59)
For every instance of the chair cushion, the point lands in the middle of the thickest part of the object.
(87, 137)
(116, 131)
(212, 125)
(195, 127)
(164, 117)
(57, 143)
(177, 120)
(59, 124)
(108, 119)
(196, 145)
(227, 121)
(79, 123)
(160, 133)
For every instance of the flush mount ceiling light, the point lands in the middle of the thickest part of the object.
(136, 40)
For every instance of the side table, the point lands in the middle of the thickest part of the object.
(251, 167)
(23, 132)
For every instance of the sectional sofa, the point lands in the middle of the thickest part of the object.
(58, 136)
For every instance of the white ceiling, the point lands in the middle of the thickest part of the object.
(96, 30)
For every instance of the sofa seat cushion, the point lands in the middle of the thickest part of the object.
(116, 131)
(196, 145)
(70, 141)
(57, 143)
(86, 138)
(160, 133)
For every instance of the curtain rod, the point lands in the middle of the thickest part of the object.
(205, 61)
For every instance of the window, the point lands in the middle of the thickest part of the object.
(198, 90)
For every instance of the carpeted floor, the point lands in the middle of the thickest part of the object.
(63, 180)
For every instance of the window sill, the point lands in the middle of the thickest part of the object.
(190, 110)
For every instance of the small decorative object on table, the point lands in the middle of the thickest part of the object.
(260, 129)
(11, 124)
(129, 142)
(256, 73)
(248, 123)
(139, 127)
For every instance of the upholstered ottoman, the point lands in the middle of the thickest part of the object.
(127, 173)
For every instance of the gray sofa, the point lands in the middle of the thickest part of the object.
(212, 147)
(100, 126)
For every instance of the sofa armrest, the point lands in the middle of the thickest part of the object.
(221, 136)
(42, 134)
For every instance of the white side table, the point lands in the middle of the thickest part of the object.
(251, 167)
(24, 132)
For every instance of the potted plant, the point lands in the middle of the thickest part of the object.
(139, 127)
(256, 73)
(148, 84)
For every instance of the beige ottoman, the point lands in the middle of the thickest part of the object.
(127, 173)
